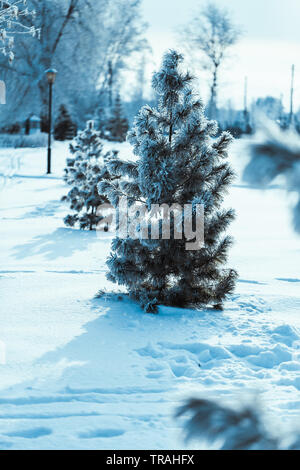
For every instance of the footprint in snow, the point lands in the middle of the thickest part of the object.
(5, 445)
(251, 304)
(33, 433)
(244, 281)
(101, 433)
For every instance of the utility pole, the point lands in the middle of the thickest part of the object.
(246, 114)
(246, 95)
(281, 113)
(291, 119)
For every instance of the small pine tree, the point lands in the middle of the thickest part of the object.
(64, 128)
(84, 171)
(179, 161)
(101, 120)
(117, 126)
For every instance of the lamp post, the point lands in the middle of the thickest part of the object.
(51, 76)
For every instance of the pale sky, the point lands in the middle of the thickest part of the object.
(270, 44)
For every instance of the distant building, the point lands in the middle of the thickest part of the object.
(32, 125)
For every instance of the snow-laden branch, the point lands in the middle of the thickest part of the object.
(12, 15)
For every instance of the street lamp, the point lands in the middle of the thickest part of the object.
(51, 76)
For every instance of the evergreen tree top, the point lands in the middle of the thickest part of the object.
(63, 114)
(175, 142)
(87, 142)
(62, 110)
(168, 82)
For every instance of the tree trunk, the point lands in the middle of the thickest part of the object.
(44, 105)
(92, 218)
(212, 111)
(171, 128)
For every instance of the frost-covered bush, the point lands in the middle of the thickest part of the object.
(36, 140)
(84, 171)
(178, 161)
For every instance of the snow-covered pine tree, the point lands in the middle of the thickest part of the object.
(64, 128)
(101, 120)
(117, 126)
(179, 160)
(84, 171)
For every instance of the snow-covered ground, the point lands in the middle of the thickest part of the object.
(81, 373)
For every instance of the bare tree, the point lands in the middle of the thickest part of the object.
(124, 43)
(79, 38)
(27, 87)
(212, 33)
(291, 116)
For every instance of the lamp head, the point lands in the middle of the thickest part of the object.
(51, 75)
